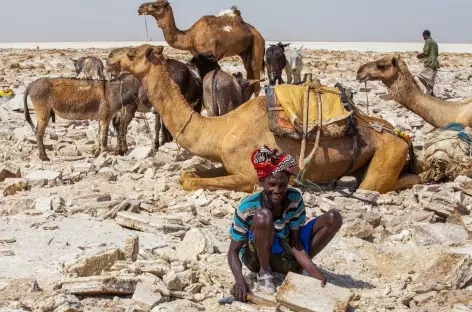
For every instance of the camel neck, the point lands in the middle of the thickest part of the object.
(199, 135)
(434, 111)
(173, 36)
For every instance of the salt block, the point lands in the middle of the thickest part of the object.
(304, 294)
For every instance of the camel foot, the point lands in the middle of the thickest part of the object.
(44, 157)
(406, 181)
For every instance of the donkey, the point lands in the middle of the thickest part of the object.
(222, 92)
(294, 64)
(77, 99)
(91, 67)
(276, 62)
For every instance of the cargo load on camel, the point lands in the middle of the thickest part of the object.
(447, 153)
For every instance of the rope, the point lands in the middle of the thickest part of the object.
(183, 128)
(147, 32)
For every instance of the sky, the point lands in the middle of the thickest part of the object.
(304, 20)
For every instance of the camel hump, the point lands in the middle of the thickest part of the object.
(236, 10)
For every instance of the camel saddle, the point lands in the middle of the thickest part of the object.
(285, 109)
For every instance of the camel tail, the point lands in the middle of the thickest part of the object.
(25, 107)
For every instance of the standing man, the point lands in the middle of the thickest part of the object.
(430, 55)
(270, 232)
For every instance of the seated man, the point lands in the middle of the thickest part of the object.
(269, 229)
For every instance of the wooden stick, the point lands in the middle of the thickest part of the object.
(301, 162)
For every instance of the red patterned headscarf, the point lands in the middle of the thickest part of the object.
(267, 161)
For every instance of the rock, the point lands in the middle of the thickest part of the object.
(109, 174)
(7, 240)
(425, 234)
(450, 271)
(346, 182)
(104, 198)
(372, 218)
(149, 295)
(42, 177)
(94, 264)
(101, 285)
(20, 134)
(141, 152)
(13, 186)
(367, 195)
(158, 268)
(358, 228)
(179, 305)
(147, 223)
(102, 161)
(131, 249)
(161, 187)
(43, 204)
(443, 206)
(58, 302)
(149, 173)
(172, 281)
(8, 170)
(195, 243)
(82, 167)
(6, 252)
(423, 216)
(16, 103)
(302, 293)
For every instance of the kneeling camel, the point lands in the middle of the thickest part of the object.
(231, 138)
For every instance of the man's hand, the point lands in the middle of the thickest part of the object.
(318, 275)
(240, 291)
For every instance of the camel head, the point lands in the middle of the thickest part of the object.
(385, 69)
(137, 60)
(158, 9)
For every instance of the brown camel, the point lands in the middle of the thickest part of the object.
(393, 72)
(230, 139)
(223, 35)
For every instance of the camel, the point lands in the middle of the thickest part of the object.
(230, 139)
(402, 88)
(223, 35)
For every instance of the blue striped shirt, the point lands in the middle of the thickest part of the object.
(293, 218)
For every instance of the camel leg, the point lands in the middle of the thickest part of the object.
(385, 167)
(43, 119)
(228, 182)
(250, 72)
(289, 76)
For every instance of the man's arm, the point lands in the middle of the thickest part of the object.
(240, 289)
(304, 259)
(426, 49)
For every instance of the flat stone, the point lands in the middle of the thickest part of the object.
(109, 174)
(141, 152)
(43, 204)
(182, 305)
(422, 216)
(425, 234)
(195, 243)
(82, 167)
(101, 285)
(8, 170)
(94, 264)
(131, 248)
(372, 218)
(149, 295)
(42, 177)
(13, 186)
(450, 271)
(302, 293)
(147, 223)
(441, 205)
(158, 268)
